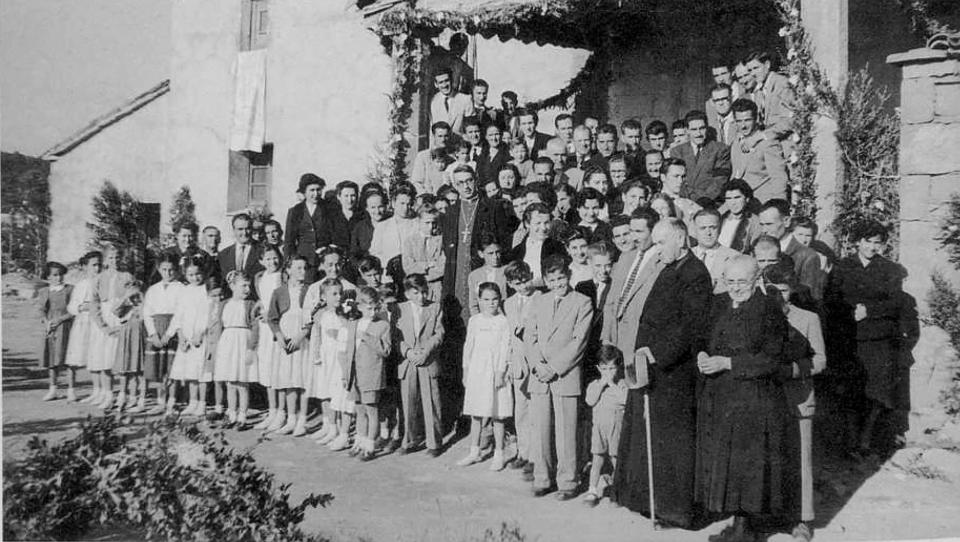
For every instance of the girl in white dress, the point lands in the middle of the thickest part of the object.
(108, 293)
(81, 306)
(268, 350)
(293, 368)
(190, 321)
(488, 393)
(236, 359)
(328, 344)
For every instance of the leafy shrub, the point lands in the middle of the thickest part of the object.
(121, 220)
(182, 210)
(950, 230)
(869, 139)
(177, 483)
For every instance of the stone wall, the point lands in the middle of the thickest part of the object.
(130, 154)
(929, 160)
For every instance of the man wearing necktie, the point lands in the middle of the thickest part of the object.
(448, 105)
(244, 254)
(708, 162)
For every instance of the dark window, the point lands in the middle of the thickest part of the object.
(250, 179)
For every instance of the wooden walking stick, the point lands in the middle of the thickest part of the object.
(646, 421)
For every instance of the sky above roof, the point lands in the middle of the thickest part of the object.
(66, 62)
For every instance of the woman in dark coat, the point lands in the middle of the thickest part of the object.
(742, 460)
(866, 290)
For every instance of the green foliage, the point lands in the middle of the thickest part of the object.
(869, 139)
(120, 220)
(182, 209)
(25, 196)
(949, 237)
(177, 483)
(944, 302)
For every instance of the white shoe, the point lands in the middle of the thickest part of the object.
(51, 394)
(342, 442)
(107, 401)
(471, 458)
(158, 409)
(266, 421)
(232, 416)
(139, 406)
(330, 436)
(121, 401)
(498, 463)
(132, 402)
(279, 420)
(322, 433)
(289, 426)
(191, 409)
(92, 398)
(242, 418)
(300, 428)
(71, 396)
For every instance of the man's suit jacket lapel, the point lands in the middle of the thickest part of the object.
(648, 273)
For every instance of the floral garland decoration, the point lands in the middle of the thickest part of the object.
(390, 160)
(813, 98)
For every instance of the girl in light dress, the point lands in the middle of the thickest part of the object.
(488, 393)
(328, 343)
(107, 295)
(55, 317)
(128, 361)
(81, 307)
(159, 304)
(268, 351)
(292, 369)
(189, 323)
(236, 358)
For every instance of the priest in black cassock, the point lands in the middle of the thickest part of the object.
(462, 226)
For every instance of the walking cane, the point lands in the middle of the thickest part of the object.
(646, 421)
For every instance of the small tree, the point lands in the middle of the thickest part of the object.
(119, 219)
(869, 138)
(183, 209)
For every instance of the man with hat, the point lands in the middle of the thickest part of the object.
(307, 224)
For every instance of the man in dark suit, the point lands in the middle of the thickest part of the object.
(774, 219)
(708, 162)
(672, 326)
(536, 141)
(493, 156)
(598, 290)
(607, 142)
(244, 254)
(307, 228)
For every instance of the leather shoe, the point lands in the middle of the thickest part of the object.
(433, 452)
(404, 450)
(565, 495)
(541, 491)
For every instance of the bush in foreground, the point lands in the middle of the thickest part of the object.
(177, 483)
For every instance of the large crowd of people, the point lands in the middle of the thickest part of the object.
(636, 307)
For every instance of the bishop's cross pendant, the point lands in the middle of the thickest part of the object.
(466, 234)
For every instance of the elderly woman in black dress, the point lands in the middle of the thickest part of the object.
(742, 414)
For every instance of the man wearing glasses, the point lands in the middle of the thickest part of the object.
(719, 113)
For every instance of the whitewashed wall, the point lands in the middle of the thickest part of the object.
(205, 48)
(130, 154)
(327, 81)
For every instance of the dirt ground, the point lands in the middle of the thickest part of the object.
(415, 498)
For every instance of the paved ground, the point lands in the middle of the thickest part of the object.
(414, 498)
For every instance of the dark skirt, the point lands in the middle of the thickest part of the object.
(157, 361)
(744, 465)
(55, 347)
(879, 360)
(130, 348)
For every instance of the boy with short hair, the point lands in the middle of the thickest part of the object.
(555, 336)
(420, 333)
(423, 252)
(516, 308)
(491, 271)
